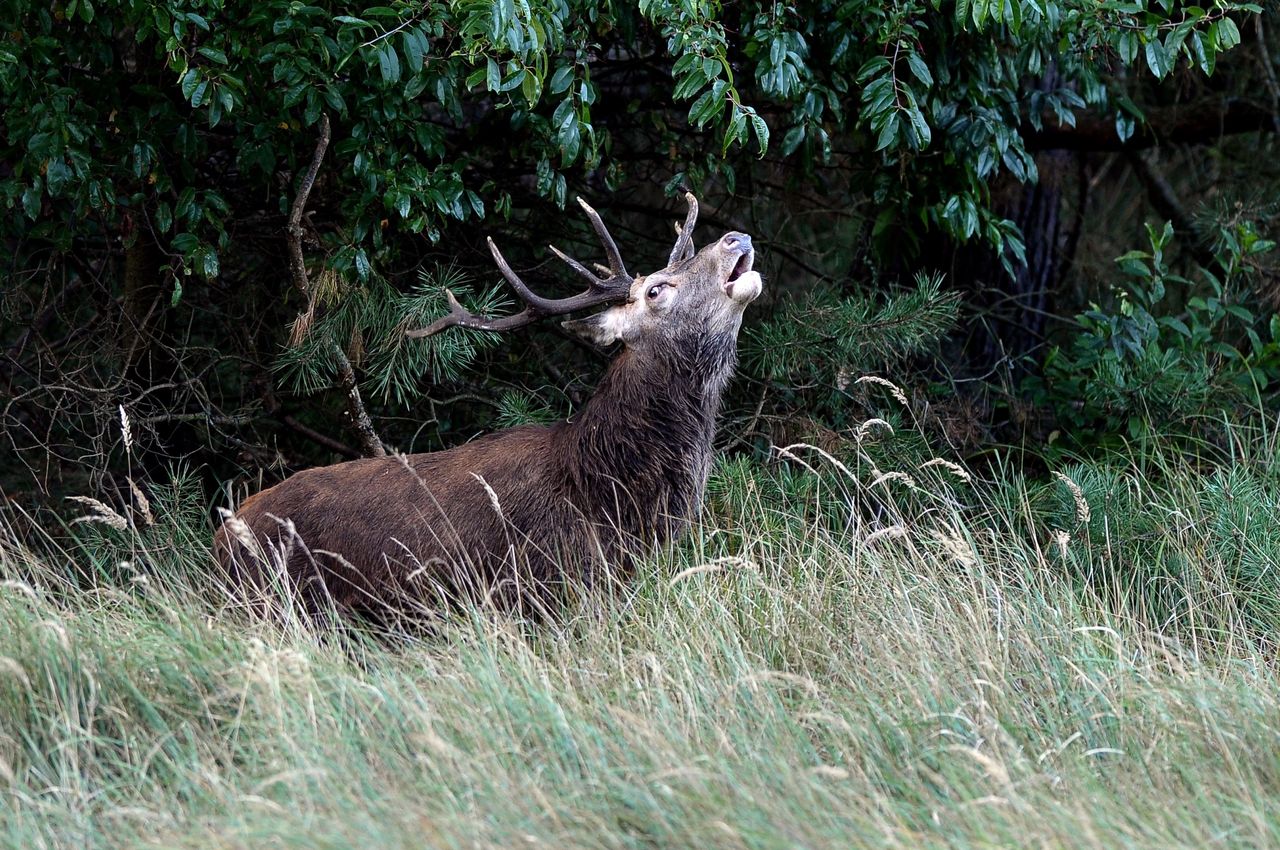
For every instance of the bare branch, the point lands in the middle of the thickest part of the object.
(297, 265)
(360, 421)
(1163, 197)
(1194, 124)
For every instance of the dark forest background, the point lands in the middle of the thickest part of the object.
(1049, 222)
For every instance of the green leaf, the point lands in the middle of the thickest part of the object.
(189, 81)
(31, 200)
(561, 79)
(920, 128)
(704, 108)
(362, 264)
(888, 133)
(792, 140)
(416, 85)
(1228, 34)
(56, 175)
(214, 54)
(1127, 45)
(209, 263)
(919, 69)
(514, 80)
(979, 9)
(761, 130)
(164, 217)
(388, 63)
(735, 133)
(413, 51)
(531, 89)
(493, 75)
(872, 67)
(570, 139)
(1157, 59)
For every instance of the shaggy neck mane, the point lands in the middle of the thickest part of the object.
(639, 452)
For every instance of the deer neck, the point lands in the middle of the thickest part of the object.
(640, 449)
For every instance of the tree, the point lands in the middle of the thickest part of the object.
(153, 153)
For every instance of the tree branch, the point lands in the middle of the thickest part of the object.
(319, 439)
(1196, 124)
(360, 421)
(1163, 197)
(293, 231)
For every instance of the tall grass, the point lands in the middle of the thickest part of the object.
(834, 659)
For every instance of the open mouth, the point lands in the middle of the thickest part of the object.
(739, 269)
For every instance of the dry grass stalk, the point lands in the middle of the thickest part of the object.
(144, 505)
(888, 532)
(125, 430)
(102, 513)
(893, 388)
(865, 428)
(302, 325)
(1061, 540)
(884, 477)
(1083, 514)
(712, 566)
(954, 468)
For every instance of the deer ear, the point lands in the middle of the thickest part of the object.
(602, 328)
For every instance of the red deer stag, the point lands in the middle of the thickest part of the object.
(518, 514)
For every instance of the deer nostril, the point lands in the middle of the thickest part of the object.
(740, 241)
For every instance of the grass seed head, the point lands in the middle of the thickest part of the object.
(102, 512)
(1083, 514)
(893, 388)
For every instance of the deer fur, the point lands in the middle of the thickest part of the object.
(520, 515)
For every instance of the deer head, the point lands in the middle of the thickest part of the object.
(695, 293)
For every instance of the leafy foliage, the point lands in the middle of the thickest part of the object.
(106, 106)
(151, 152)
(1139, 366)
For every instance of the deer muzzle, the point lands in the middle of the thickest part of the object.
(742, 285)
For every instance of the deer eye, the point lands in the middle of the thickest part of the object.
(653, 291)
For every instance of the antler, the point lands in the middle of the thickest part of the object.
(613, 288)
(683, 248)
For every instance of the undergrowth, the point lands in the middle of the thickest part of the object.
(839, 655)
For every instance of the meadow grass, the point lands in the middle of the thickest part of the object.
(871, 663)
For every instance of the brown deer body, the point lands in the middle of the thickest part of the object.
(517, 515)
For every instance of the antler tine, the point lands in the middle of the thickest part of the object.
(591, 277)
(689, 250)
(616, 267)
(684, 242)
(459, 316)
(604, 290)
(528, 296)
